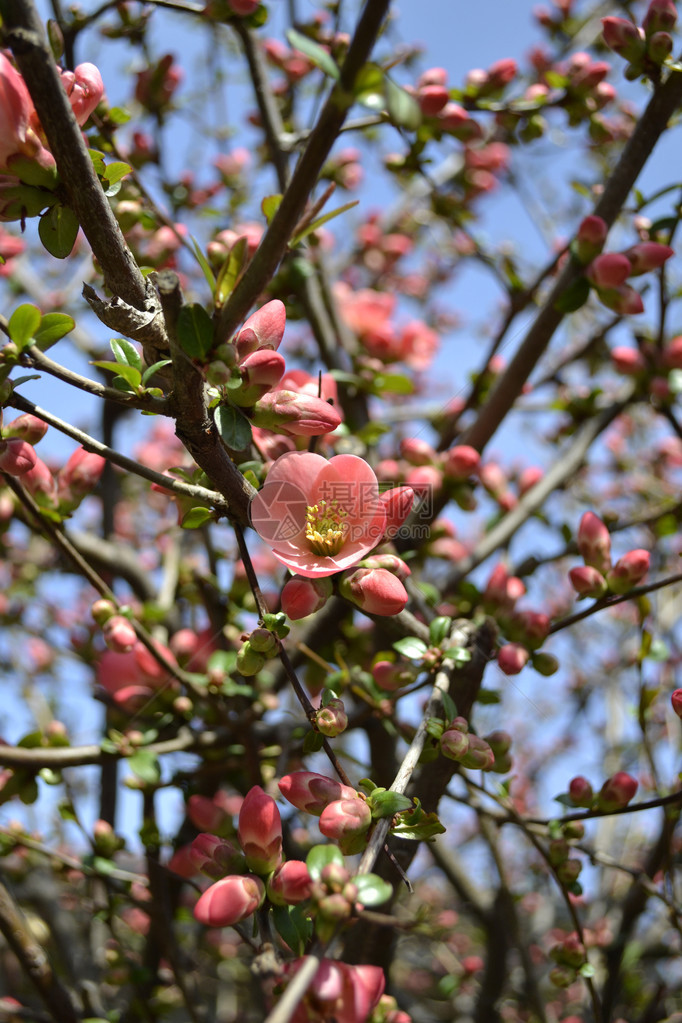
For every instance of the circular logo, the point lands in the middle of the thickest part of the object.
(278, 511)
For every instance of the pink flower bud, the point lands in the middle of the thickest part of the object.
(628, 571)
(587, 581)
(390, 676)
(512, 658)
(260, 831)
(424, 479)
(391, 562)
(312, 792)
(672, 354)
(455, 119)
(580, 791)
(397, 504)
(629, 361)
(346, 822)
(229, 900)
(461, 461)
(676, 701)
(260, 372)
(119, 635)
(17, 457)
(659, 47)
(26, 427)
(623, 300)
(647, 256)
(590, 238)
(502, 72)
(532, 627)
(374, 590)
(433, 76)
(454, 744)
(502, 590)
(660, 17)
(529, 477)
(243, 7)
(617, 791)
(432, 99)
(263, 329)
(290, 884)
(332, 720)
(609, 270)
(81, 473)
(297, 415)
(479, 756)
(594, 542)
(302, 597)
(624, 38)
(205, 813)
(102, 610)
(213, 856)
(417, 452)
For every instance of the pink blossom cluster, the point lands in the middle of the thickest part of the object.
(650, 362)
(527, 630)
(369, 315)
(470, 750)
(598, 576)
(615, 794)
(645, 47)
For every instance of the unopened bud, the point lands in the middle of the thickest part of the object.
(580, 791)
(512, 658)
(587, 581)
(617, 791)
(628, 571)
(332, 719)
(594, 542)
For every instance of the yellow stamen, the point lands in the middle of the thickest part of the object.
(325, 529)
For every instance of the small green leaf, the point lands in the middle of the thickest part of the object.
(204, 264)
(195, 331)
(114, 172)
(196, 517)
(154, 368)
(488, 696)
(564, 799)
(23, 324)
(125, 352)
(97, 161)
(320, 856)
(230, 272)
(439, 629)
(270, 205)
(129, 374)
(392, 383)
(575, 296)
(314, 52)
(293, 242)
(58, 228)
(449, 707)
(233, 427)
(372, 889)
(385, 803)
(313, 742)
(369, 87)
(403, 109)
(145, 764)
(53, 327)
(292, 924)
(411, 647)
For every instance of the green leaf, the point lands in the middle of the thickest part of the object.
(314, 52)
(293, 242)
(313, 742)
(230, 272)
(154, 368)
(125, 352)
(204, 264)
(145, 764)
(439, 629)
(575, 296)
(294, 926)
(385, 803)
(416, 825)
(196, 517)
(114, 172)
(369, 87)
(118, 115)
(97, 161)
(564, 799)
(270, 205)
(320, 856)
(195, 331)
(449, 707)
(411, 647)
(58, 228)
(488, 696)
(372, 889)
(403, 109)
(53, 327)
(129, 374)
(371, 432)
(233, 427)
(23, 323)
(392, 383)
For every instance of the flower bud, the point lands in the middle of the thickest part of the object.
(432, 99)
(119, 635)
(229, 900)
(312, 792)
(659, 47)
(568, 872)
(249, 661)
(608, 270)
(332, 719)
(623, 300)
(544, 663)
(587, 581)
(390, 676)
(302, 597)
(260, 372)
(25, 427)
(512, 658)
(461, 461)
(628, 571)
(397, 503)
(558, 850)
(374, 590)
(17, 457)
(661, 16)
(263, 642)
(346, 822)
(529, 477)
(672, 354)
(500, 742)
(590, 238)
(647, 256)
(479, 756)
(629, 361)
(206, 814)
(263, 329)
(580, 791)
(417, 452)
(260, 831)
(390, 562)
(676, 701)
(594, 542)
(294, 414)
(454, 744)
(617, 791)
(102, 610)
(290, 884)
(214, 856)
(624, 38)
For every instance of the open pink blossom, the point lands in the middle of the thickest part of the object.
(340, 991)
(319, 516)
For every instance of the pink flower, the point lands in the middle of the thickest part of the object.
(229, 900)
(312, 792)
(79, 476)
(339, 991)
(214, 856)
(676, 701)
(319, 516)
(397, 504)
(417, 345)
(85, 89)
(17, 136)
(260, 831)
